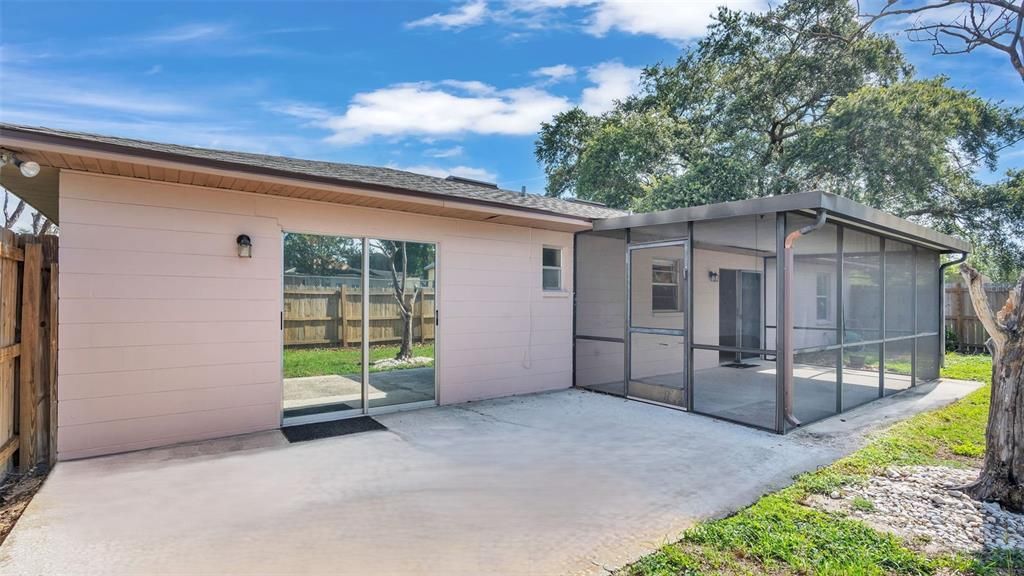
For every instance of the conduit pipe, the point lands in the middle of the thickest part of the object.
(942, 305)
(787, 317)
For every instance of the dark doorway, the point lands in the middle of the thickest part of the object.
(739, 313)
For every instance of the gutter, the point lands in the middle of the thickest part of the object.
(942, 305)
(787, 317)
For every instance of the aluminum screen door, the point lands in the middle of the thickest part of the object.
(657, 275)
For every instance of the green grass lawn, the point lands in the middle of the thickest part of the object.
(321, 361)
(779, 536)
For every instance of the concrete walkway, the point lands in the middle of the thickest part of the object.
(568, 482)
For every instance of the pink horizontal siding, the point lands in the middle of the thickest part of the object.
(167, 336)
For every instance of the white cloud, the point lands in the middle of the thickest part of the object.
(28, 89)
(186, 33)
(440, 109)
(469, 14)
(612, 81)
(454, 108)
(665, 19)
(154, 69)
(444, 152)
(554, 73)
(672, 20)
(439, 172)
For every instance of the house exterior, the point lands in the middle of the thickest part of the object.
(177, 322)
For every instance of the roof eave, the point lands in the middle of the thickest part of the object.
(12, 136)
(838, 206)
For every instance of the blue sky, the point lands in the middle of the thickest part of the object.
(432, 87)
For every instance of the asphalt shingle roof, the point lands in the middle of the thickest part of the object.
(349, 174)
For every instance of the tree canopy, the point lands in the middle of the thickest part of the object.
(799, 98)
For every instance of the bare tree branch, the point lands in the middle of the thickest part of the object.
(995, 24)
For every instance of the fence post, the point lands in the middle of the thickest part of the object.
(959, 318)
(28, 424)
(342, 321)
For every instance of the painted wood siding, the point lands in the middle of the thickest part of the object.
(167, 336)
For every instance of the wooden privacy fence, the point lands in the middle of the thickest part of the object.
(28, 350)
(961, 318)
(333, 316)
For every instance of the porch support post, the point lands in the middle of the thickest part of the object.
(840, 326)
(688, 346)
(780, 312)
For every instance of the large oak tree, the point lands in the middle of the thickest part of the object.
(801, 97)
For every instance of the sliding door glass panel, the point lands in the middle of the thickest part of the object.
(401, 303)
(657, 368)
(322, 325)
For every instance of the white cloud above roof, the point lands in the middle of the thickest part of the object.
(481, 174)
(453, 108)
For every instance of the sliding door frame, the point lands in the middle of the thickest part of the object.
(365, 410)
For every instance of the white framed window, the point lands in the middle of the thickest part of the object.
(665, 293)
(551, 272)
(823, 296)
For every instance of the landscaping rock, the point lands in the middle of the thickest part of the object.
(392, 364)
(922, 503)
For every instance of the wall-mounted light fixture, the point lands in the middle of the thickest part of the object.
(28, 169)
(244, 246)
(712, 276)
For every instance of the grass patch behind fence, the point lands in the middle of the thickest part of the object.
(322, 361)
(778, 535)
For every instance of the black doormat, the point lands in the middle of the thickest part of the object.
(739, 365)
(304, 432)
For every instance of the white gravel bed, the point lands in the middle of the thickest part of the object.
(921, 503)
(409, 363)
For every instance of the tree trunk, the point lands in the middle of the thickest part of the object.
(405, 349)
(1002, 475)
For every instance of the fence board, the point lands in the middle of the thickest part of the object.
(28, 349)
(961, 319)
(333, 316)
(9, 282)
(28, 390)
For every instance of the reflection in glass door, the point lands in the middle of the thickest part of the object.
(401, 323)
(338, 289)
(323, 358)
(657, 323)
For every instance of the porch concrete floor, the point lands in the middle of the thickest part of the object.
(566, 482)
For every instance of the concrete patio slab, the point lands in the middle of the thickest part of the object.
(569, 482)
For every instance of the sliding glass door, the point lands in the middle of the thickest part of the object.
(337, 290)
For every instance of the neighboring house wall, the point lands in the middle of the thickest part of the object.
(167, 336)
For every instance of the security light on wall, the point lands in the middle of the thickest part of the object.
(712, 276)
(28, 169)
(244, 246)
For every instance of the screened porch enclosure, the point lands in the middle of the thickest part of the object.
(685, 308)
